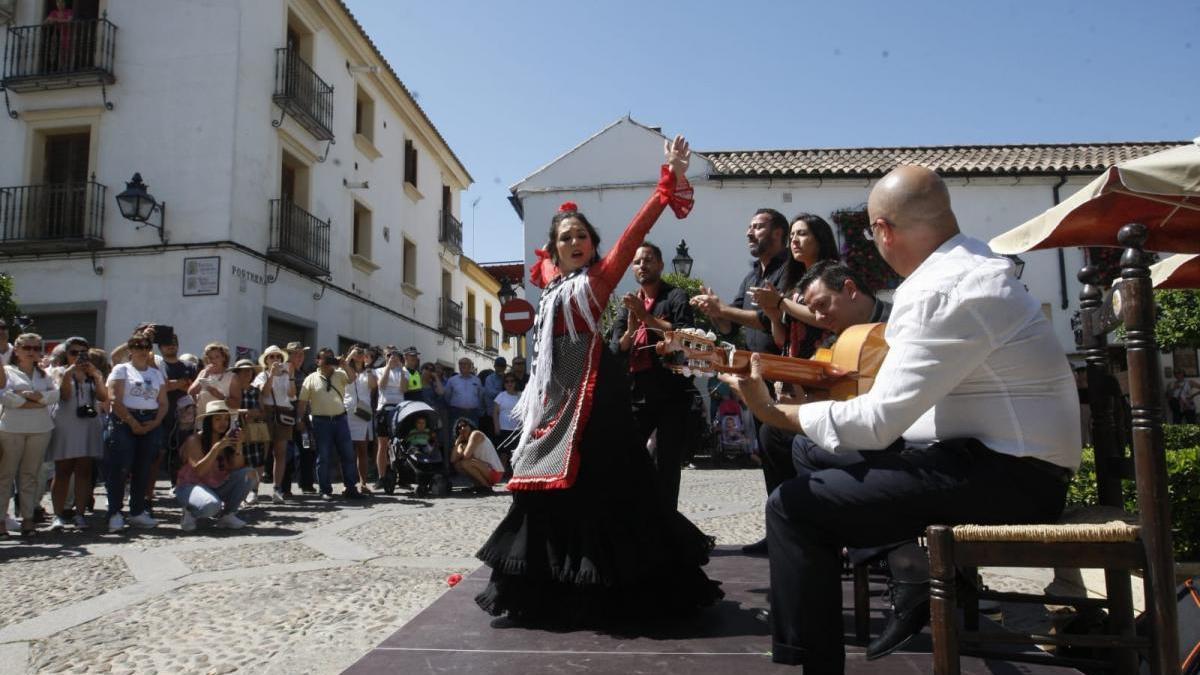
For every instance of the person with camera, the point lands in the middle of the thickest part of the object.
(322, 395)
(25, 426)
(474, 456)
(214, 478)
(139, 400)
(180, 374)
(393, 380)
(245, 397)
(214, 380)
(77, 440)
(278, 390)
(301, 462)
(358, 404)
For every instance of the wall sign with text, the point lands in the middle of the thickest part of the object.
(202, 276)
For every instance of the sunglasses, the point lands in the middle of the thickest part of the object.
(31, 348)
(76, 352)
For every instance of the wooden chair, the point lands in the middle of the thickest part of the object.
(1117, 544)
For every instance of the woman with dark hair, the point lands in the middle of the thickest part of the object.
(793, 325)
(25, 427)
(586, 541)
(77, 440)
(214, 478)
(139, 399)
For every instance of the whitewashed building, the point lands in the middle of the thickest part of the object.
(993, 188)
(306, 195)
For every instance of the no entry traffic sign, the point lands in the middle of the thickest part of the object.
(516, 316)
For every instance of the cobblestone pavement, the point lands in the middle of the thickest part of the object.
(307, 587)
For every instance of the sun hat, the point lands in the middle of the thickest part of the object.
(273, 349)
(242, 364)
(215, 408)
(296, 347)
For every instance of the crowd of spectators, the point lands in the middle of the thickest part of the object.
(76, 417)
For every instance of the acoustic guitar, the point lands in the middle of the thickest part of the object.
(845, 370)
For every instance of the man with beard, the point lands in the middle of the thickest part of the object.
(766, 239)
(661, 399)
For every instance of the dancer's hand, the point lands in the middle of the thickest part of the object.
(679, 155)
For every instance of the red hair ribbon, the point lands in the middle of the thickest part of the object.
(568, 206)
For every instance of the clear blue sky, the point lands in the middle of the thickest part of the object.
(512, 85)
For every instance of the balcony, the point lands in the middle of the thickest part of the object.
(53, 217)
(299, 239)
(450, 232)
(299, 92)
(450, 317)
(474, 333)
(59, 55)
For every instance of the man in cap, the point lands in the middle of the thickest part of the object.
(412, 375)
(304, 456)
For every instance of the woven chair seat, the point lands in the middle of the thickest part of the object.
(1092, 524)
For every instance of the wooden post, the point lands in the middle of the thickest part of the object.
(942, 609)
(1145, 392)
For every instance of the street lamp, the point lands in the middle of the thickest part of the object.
(682, 262)
(506, 292)
(1017, 263)
(138, 205)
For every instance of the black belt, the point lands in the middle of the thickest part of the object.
(1060, 473)
(327, 417)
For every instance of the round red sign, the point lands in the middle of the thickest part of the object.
(516, 316)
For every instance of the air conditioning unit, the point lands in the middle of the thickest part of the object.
(8, 11)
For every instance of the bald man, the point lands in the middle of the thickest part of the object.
(975, 400)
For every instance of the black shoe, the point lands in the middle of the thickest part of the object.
(483, 490)
(308, 489)
(757, 548)
(353, 495)
(910, 613)
(763, 615)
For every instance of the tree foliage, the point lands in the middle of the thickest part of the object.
(8, 304)
(1178, 321)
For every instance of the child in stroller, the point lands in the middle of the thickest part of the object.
(735, 437)
(413, 451)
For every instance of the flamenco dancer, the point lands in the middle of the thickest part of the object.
(586, 542)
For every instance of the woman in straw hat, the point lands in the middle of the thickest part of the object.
(278, 389)
(214, 478)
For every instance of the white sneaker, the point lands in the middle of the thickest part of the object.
(252, 497)
(57, 524)
(277, 496)
(143, 520)
(230, 521)
(81, 522)
(11, 524)
(188, 523)
(116, 523)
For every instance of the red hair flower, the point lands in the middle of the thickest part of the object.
(568, 206)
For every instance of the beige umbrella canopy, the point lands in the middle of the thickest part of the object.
(1161, 191)
(1179, 271)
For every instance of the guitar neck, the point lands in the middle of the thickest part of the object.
(807, 373)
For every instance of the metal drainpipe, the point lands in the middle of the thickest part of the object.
(1062, 258)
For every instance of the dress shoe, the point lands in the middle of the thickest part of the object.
(910, 613)
(757, 548)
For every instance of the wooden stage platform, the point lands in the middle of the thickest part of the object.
(453, 636)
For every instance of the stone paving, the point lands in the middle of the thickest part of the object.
(307, 587)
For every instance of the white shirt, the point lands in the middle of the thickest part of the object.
(279, 387)
(141, 386)
(505, 401)
(391, 392)
(970, 356)
(358, 393)
(18, 420)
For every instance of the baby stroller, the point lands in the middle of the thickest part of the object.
(413, 454)
(734, 441)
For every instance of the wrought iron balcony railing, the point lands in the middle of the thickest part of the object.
(302, 94)
(299, 239)
(450, 319)
(59, 55)
(474, 333)
(450, 232)
(493, 341)
(53, 216)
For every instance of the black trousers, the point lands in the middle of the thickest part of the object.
(886, 497)
(305, 464)
(665, 410)
(777, 462)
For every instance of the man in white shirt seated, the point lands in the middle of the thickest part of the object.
(977, 396)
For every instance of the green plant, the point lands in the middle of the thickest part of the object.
(8, 305)
(1181, 436)
(692, 286)
(1183, 473)
(1177, 323)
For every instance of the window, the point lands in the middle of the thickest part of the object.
(361, 246)
(410, 263)
(488, 342)
(293, 180)
(472, 330)
(364, 116)
(410, 163)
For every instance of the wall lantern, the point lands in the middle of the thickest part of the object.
(506, 292)
(682, 262)
(138, 205)
(1017, 262)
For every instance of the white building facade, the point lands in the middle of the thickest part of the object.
(612, 173)
(307, 196)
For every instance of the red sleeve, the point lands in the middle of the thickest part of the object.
(670, 191)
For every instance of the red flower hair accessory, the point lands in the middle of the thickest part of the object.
(568, 206)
